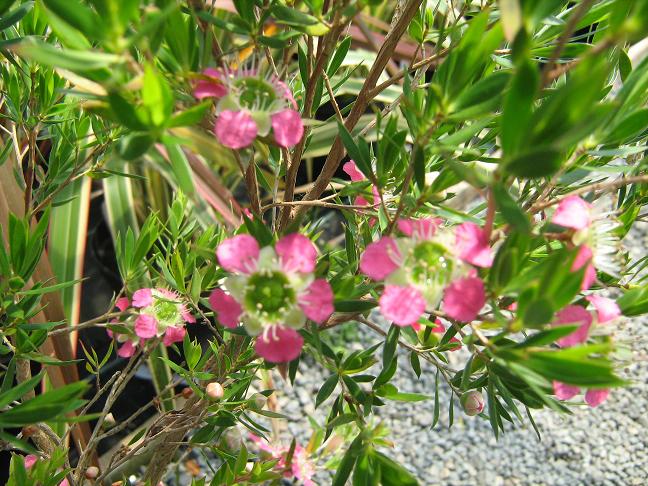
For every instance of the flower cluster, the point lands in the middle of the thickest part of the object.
(427, 266)
(153, 312)
(272, 291)
(300, 466)
(606, 310)
(250, 105)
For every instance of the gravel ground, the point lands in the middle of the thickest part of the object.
(607, 445)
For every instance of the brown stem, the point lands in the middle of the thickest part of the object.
(337, 150)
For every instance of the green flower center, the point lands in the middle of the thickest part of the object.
(430, 264)
(166, 311)
(269, 294)
(255, 92)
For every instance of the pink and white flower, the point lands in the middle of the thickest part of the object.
(250, 105)
(155, 312)
(606, 310)
(301, 467)
(271, 291)
(427, 266)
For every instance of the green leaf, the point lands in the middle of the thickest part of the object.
(77, 15)
(391, 342)
(19, 390)
(348, 461)
(299, 20)
(157, 97)
(518, 107)
(191, 116)
(355, 306)
(512, 213)
(326, 389)
(77, 61)
(536, 162)
(15, 15)
(634, 302)
(392, 473)
(358, 156)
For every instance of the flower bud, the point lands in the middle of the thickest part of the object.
(186, 393)
(232, 439)
(258, 401)
(472, 402)
(92, 472)
(215, 390)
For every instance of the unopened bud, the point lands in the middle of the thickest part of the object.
(258, 401)
(92, 472)
(110, 421)
(232, 439)
(186, 393)
(28, 431)
(472, 402)
(215, 390)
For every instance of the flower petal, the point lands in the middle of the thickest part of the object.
(317, 301)
(574, 314)
(351, 169)
(142, 298)
(402, 305)
(188, 316)
(606, 309)
(146, 326)
(235, 129)
(379, 258)
(122, 304)
(423, 229)
(126, 350)
(584, 257)
(288, 128)
(281, 346)
(210, 88)
(464, 298)
(595, 397)
(238, 254)
(228, 310)
(564, 391)
(29, 460)
(297, 253)
(473, 245)
(174, 334)
(572, 212)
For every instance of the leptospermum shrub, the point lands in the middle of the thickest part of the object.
(449, 183)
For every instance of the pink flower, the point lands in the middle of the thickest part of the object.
(145, 326)
(402, 305)
(142, 298)
(126, 350)
(572, 212)
(584, 257)
(379, 258)
(574, 314)
(238, 254)
(280, 345)
(317, 301)
(355, 175)
(174, 334)
(64, 482)
(297, 253)
(188, 316)
(464, 298)
(473, 245)
(210, 88)
(122, 304)
(595, 397)
(228, 310)
(422, 229)
(300, 465)
(606, 309)
(235, 129)
(288, 128)
(30, 460)
(564, 391)
(286, 93)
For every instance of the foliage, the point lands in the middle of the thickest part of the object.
(485, 160)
